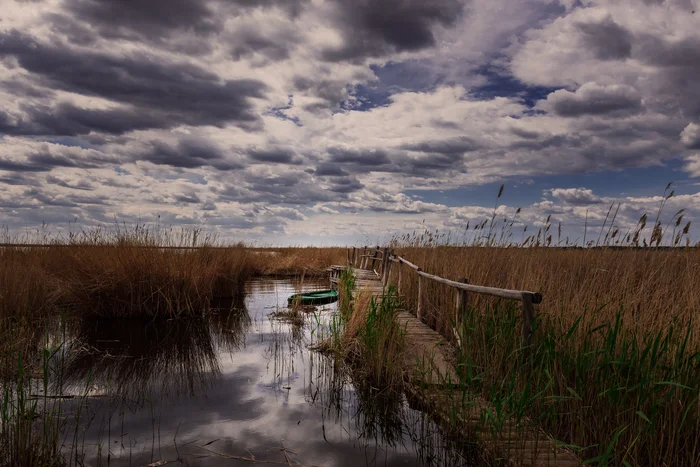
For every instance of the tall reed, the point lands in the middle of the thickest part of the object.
(369, 336)
(615, 395)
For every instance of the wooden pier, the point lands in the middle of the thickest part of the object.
(429, 364)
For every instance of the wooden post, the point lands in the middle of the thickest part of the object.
(374, 258)
(419, 308)
(387, 276)
(528, 317)
(349, 258)
(398, 284)
(363, 257)
(385, 265)
(460, 309)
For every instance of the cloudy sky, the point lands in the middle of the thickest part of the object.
(343, 121)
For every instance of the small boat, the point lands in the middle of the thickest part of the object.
(319, 297)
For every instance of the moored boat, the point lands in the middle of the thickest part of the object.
(318, 297)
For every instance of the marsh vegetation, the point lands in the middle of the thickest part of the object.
(113, 320)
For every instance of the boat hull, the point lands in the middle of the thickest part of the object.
(320, 297)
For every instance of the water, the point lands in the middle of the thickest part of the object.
(237, 386)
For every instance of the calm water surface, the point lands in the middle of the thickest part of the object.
(239, 384)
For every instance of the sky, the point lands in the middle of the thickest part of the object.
(333, 122)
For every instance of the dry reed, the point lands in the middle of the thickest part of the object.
(615, 348)
(649, 287)
(294, 261)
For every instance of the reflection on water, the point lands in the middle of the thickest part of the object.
(234, 386)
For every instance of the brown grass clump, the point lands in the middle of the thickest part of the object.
(310, 261)
(129, 280)
(123, 273)
(27, 298)
(372, 341)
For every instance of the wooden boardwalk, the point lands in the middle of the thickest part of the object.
(430, 377)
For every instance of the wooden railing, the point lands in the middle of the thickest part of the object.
(366, 258)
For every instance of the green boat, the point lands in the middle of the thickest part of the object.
(319, 297)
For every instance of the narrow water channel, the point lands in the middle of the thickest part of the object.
(237, 388)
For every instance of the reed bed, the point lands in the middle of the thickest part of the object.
(124, 273)
(295, 261)
(366, 334)
(27, 298)
(130, 280)
(615, 370)
(648, 287)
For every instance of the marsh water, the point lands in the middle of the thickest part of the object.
(237, 387)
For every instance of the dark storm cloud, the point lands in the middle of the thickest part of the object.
(80, 185)
(273, 156)
(248, 41)
(346, 185)
(14, 166)
(185, 93)
(71, 29)
(64, 200)
(145, 18)
(16, 179)
(69, 120)
(427, 164)
(592, 99)
(360, 157)
(24, 89)
(275, 183)
(294, 7)
(453, 146)
(47, 159)
(289, 188)
(330, 170)
(375, 27)
(188, 153)
(675, 85)
(525, 134)
(157, 21)
(440, 156)
(329, 90)
(656, 51)
(189, 198)
(68, 158)
(607, 40)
